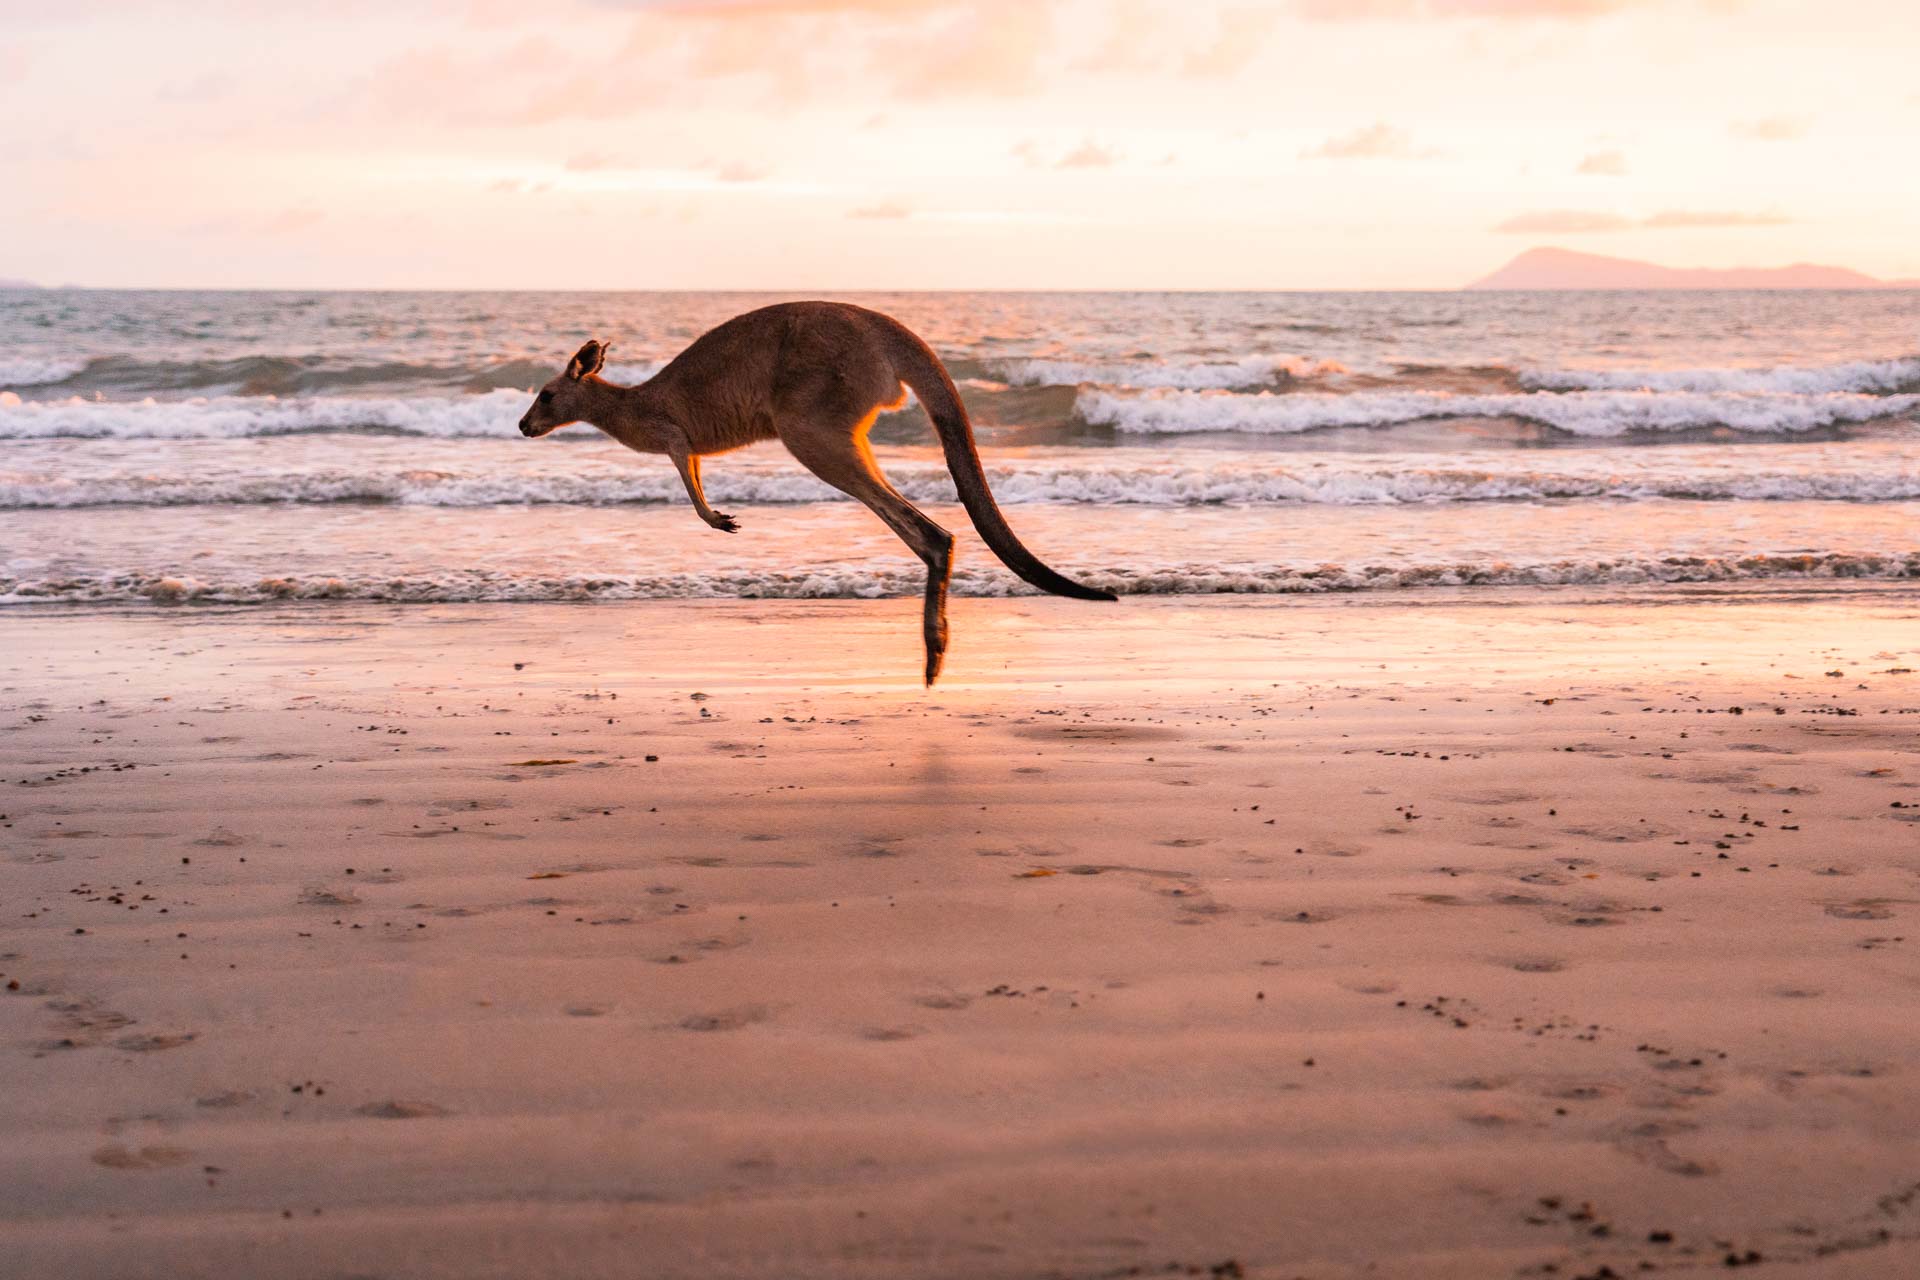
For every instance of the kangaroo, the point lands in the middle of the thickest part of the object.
(813, 375)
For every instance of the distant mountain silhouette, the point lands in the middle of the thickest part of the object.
(6, 283)
(1566, 269)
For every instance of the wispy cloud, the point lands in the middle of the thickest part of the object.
(1556, 222)
(1561, 10)
(885, 210)
(1241, 35)
(1379, 141)
(1582, 221)
(1088, 155)
(1676, 218)
(1771, 129)
(1606, 164)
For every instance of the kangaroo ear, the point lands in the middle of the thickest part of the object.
(587, 360)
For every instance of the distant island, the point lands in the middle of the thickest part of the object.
(6, 283)
(1567, 269)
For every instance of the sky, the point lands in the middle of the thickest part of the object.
(901, 144)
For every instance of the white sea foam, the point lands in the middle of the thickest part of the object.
(491, 414)
(1248, 371)
(1876, 471)
(36, 371)
(1858, 375)
(1583, 413)
(902, 579)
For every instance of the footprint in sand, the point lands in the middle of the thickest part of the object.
(1536, 964)
(1862, 909)
(154, 1043)
(400, 1109)
(1492, 798)
(221, 1101)
(587, 1010)
(116, 1156)
(221, 838)
(889, 1034)
(320, 895)
(726, 1019)
(1329, 849)
(943, 1001)
(1648, 1143)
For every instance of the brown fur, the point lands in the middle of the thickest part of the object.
(813, 375)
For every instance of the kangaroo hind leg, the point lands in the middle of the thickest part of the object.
(844, 461)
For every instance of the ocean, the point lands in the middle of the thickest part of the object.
(171, 448)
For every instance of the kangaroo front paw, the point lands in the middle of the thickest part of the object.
(724, 522)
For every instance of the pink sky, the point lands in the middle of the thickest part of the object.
(837, 144)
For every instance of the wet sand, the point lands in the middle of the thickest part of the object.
(1437, 935)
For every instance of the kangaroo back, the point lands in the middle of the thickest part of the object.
(916, 365)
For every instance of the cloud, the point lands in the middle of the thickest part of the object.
(1365, 10)
(969, 55)
(1771, 129)
(1379, 141)
(886, 209)
(1608, 164)
(741, 171)
(1242, 32)
(592, 161)
(1564, 222)
(1088, 155)
(210, 87)
(1578, 221)
(1677, 218)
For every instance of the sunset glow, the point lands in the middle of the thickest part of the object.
(814, 144)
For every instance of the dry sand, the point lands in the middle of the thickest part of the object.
(1447, 936)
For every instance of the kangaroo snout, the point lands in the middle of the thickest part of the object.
(527, 428)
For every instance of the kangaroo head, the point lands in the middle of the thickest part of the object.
(565, 399)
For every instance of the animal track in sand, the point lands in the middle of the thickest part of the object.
(1535, 964)
(116, 1156)
(1493, 797)
(1621, 832)
(727, 1019)
(889, 1034)
(221, 838)
(400, 1109)
(943, 1000)
(319, 895)
(587, 1010)
(1865, 908)
(1647, 1143)
(154, 1043)
(221, 1101)
(1096, 732)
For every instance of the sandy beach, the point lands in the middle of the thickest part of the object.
(1435, 935)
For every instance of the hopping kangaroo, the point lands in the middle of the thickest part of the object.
(813, 375)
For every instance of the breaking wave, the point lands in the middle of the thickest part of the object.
(37, 371)
(1167, 410)
(1581, 413)
(901, 579)
(1869, 376)
(1249, 371)
(1886, 471)
(485, 414)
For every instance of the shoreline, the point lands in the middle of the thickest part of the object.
(1413, 933)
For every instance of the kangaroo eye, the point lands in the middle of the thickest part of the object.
(546, 397)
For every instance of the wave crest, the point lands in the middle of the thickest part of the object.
(901, 579)
(1581, 413)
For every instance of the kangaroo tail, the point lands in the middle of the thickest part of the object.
(919, 368)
